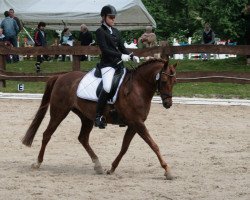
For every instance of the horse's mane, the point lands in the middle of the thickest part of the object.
(150, 61)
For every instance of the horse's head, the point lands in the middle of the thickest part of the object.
(166, 80)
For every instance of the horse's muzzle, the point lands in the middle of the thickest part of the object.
(167, 103)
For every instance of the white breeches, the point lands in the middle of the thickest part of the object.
(107, 77)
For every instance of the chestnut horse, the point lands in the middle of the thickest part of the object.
(132, 106)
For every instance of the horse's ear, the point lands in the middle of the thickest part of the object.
(166, 65)
(175, 65)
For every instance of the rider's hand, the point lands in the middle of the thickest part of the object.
(136, 59)
(125, 57)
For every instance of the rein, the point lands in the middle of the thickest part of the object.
(164, 95)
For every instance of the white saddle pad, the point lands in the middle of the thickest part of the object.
(88, 85)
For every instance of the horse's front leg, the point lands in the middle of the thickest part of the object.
(143, 132)
(129, 134)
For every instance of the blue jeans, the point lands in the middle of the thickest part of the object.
(13, 41)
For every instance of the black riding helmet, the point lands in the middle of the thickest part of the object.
(108, 10)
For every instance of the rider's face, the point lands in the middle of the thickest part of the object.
(110, 20)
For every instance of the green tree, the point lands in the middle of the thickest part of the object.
(186, 18)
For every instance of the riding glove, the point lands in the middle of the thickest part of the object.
(125, 57)
(136, 59)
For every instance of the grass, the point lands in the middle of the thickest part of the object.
(212, 90)
(207, 90)
(231, 64)
(47, 67)
(29, 87)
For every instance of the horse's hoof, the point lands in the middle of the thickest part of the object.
(98, 169)
(35, 165)
(168, 176)
(109, 172)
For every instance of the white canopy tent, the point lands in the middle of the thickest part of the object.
(132, 14)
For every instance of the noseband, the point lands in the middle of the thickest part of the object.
(164, 95)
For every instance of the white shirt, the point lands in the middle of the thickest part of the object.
(109, 27)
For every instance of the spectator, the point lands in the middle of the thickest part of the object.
(85, 37)
(148, 39)
(2, 36)
(66, 39)
(208, 37)
(177, 56)
(10, 30)
(40, 41)
(56, 44)
(19, 23)
(3, 39)
(245, 14)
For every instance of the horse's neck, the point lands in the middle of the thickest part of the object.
(146, 78)
(149, 72)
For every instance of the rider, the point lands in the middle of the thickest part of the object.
(112, 51)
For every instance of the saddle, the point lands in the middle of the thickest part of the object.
(115, 82)
(90, 86)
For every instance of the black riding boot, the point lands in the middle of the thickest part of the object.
(102, 101)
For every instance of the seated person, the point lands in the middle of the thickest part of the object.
(148, 39)
(66, 39)
(55, 44)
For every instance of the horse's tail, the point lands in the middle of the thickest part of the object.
(31, 132)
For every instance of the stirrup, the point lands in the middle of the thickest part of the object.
(100, 122)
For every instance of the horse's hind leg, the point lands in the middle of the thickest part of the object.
(87, 126)
(129, 134)
(55, 119)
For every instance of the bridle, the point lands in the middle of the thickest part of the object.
(164, 95)
(158, 83)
